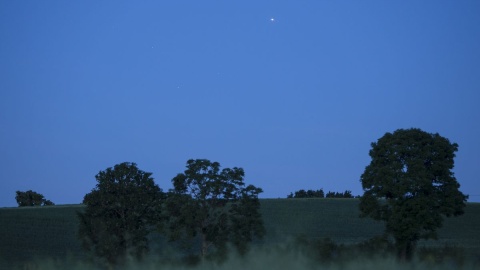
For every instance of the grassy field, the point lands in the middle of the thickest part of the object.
(30, 232)
(27, 232)
(339, 220)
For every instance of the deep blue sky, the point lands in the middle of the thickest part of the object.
(296, 101)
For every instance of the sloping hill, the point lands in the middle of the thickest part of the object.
(26, 232)
(51, 231)
(338, 219)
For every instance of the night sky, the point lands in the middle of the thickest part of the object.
(294, 92)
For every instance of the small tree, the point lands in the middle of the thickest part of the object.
(120, 212)
(409, 185)
(214, 205)
(31, 198)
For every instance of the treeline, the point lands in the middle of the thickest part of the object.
(320, 194)
(408, 185)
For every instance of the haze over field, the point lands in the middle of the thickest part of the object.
(56, 233)
(293, 92)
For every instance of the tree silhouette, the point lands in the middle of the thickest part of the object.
(409, 184)
(215, 206)
(31, 198)
(120, 212)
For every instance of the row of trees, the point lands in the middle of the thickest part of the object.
(207, 204)
(409, 185)
(320, 194)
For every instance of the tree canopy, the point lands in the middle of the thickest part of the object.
(214, 206)
(409, 184)
(120, 212)
(319, 194)
(346, 195)
(307, 194)
(31, 198)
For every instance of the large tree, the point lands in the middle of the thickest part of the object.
(120, 212)
(410, 185)
(31, 198)
(215, 207)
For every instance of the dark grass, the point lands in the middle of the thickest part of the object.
(337, 219)
(462, 231)
(279, 258)
(29, 233)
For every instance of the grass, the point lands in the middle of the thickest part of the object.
(28, 232)
(279, 258)
(337, 219)
(33, 233)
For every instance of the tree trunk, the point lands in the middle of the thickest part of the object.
(205, 245)
(405, 251)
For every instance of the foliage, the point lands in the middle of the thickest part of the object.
(31, 198)
(319, 194)
(214, 205)
(409, 185)
(347, 194)
(307, 194)
(120, 213)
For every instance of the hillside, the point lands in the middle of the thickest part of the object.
(26, 232)
(51, 231)
(339, 220)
